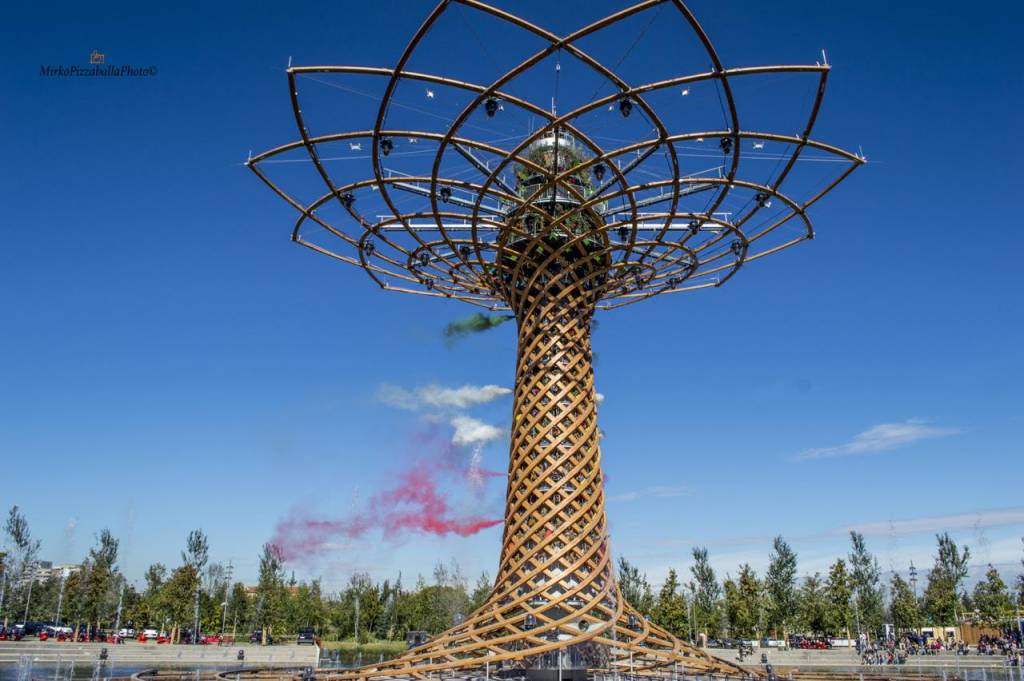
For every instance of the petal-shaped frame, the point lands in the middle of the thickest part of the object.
(455, 253)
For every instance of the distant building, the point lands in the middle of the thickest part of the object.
(42, 570)
(251, 591)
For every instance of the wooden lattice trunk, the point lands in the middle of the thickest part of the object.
(555, 600)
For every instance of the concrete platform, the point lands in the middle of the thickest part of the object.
(135, 654)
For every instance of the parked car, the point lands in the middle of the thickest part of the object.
(56, 628)
(150, 634)
(29, 628)
(11, 633)
(126, 632)
(257, 637)
(207, 639)
(307, 636)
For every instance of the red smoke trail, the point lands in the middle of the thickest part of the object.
(418, 490)
(415, 505)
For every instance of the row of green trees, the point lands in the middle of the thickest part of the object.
(852, 597)
(98, 596)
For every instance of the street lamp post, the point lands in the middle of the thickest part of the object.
(856, 610)
(693, 613)
(195, 619)
(28, 599)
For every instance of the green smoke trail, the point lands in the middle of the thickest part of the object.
(474, 323)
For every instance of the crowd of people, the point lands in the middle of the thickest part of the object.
(1009, 645)
(884, 654)
(896, 651)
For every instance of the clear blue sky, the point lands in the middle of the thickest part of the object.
(171, 361)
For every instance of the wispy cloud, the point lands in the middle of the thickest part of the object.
(439, 397)
(880, 438)
(973, 520)
(941, 523)
(655, 492)
(471, 431)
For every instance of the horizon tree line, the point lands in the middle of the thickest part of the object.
(852, 597)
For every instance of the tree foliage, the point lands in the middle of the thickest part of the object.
(707, 595)
(279, 603)
(101, 578)
(780, 587)
(903, 610)
(865, 581)
(25, 547)
(197, 551)
(24, 550)
(942, 594)
(992, 598)
(635, 588)
(270, 599)
(670, 610)
(744, 601)
(838, 613)
(812, 606)
(480, 592)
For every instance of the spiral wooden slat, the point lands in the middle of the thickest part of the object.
(551, 251)
(555, 592)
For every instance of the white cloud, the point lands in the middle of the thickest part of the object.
(394, 396)
(460, 398)
(599, 397)
(656, 492)
(941, 523)
(470, 431)
(880, 438)
(440, 397)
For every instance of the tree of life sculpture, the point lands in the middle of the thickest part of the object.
(552, 226)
